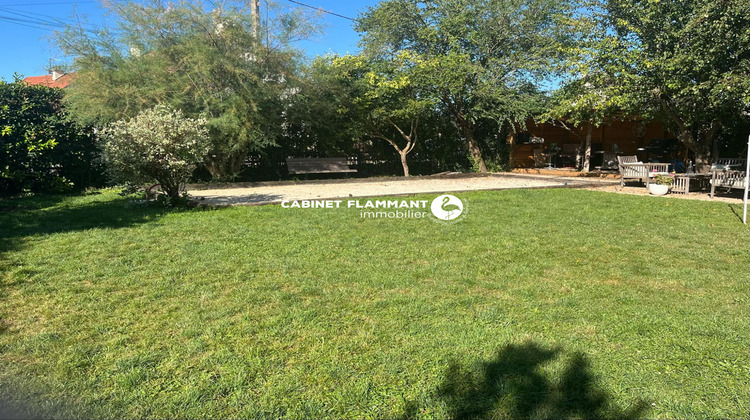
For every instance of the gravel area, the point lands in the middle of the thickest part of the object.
(733, 197)
(269, 192)
(275, 192)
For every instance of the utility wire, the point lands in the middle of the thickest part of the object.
(3, 19)
(38, 24)
(12, 19)
(45, 21)
(322, 10)
(46, 4)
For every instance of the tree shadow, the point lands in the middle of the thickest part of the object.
(514, 385)
(21, 400)
(737, 213)
(23, 218)
(249, 199)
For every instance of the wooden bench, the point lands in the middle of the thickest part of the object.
(728, 173)
(630, 168)
(318, 166)
(727, 179)
(734, 163)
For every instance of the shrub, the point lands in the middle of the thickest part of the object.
(40, 149)
(661, 179)
(158, 145)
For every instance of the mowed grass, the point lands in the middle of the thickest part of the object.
(540, 303)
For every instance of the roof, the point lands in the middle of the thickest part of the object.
(62, 82)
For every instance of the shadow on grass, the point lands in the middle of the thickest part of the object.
(514, 385)
(24, 218)
(738, 212)
(19, 400)
(251, 199)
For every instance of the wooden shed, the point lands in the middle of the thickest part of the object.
(616, 137)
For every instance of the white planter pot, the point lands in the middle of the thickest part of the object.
(656, 189)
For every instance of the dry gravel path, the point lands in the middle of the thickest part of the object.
(275, 192)
(261, 193)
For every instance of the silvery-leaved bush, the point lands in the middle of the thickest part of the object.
(158, 145)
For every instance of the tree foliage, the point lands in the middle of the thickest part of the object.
(201, 59)
(40, 149)
(316, 122)
(581, 103)
(480, 59)
(685, 62)
(158, 144)
(344, 108)
(386, 105)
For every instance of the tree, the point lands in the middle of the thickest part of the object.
(384, 100)
(158, 144)
(480, 59)
(345, 103)
(203, 61)
(581, 103)
(684, 62)
(317, 120)
(40, 149)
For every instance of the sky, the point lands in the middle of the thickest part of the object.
(26, 27)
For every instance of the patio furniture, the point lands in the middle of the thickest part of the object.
(569, 154)
(684, 182)
(727, 173)
(631, 169)
(727, 178)
(664, 150)
(610, 161)
(627, 159)
(540, 160)
(729, 163)
(551, 152)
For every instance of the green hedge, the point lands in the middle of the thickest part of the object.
(41, 150)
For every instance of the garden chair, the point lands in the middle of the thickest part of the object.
(631, 168)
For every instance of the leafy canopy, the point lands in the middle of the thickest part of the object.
(40, 148)
(203, 59)
(481, 59)
(685, 62)
(385, 102)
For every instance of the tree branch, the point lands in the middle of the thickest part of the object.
(407, 137)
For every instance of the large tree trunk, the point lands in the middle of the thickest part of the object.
(702, 160)
(464, 123)
(580, 153)
(214, 168)
(236, 160)
(511, 144)
(704, 149)
(476, 154)
(404, 164)
(226, 167)
(701, 141)
(587, 149)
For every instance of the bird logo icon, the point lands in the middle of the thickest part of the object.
(447, 207)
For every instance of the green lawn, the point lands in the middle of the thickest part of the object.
(540, 303)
